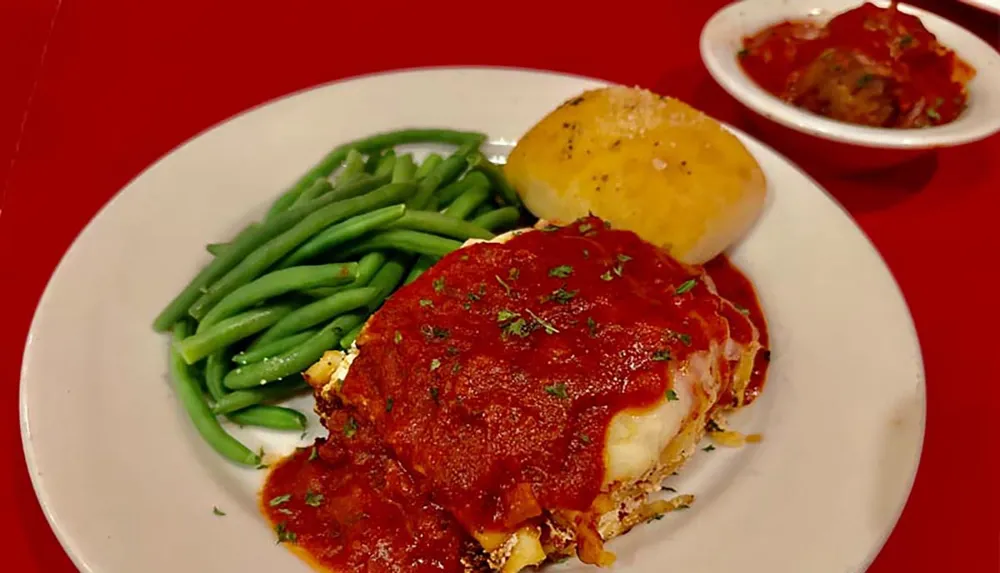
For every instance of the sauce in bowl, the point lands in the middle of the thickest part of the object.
(870, 66)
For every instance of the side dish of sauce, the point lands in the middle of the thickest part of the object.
(871, 66)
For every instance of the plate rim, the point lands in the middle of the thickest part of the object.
(69, 545)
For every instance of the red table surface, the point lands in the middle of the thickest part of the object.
(95, 91)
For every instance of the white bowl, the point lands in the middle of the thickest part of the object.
(850, 146)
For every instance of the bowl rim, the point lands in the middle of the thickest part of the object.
(967, 128)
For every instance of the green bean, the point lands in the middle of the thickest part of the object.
(367, 267)
(278, 283)
(241, 399)
(246, 242)
(230, 330)
(429, 164)
(317, 189)
(503, 218)
(467, 202)
(386, 163)
(403, 240)
(342, 232)
(440, 224)
(316, 312)
(371, 162)
(265, 351)
(295, 360)
(404, 169)
(188, 390)
(442, 174)
(451, 192)
(482, 209)
(419, 268)
(370, 144)
(479, 162)
(388, 278)
(215, 249)
(354, 165)
(267, 254)
(272, 417)
(349, 338)
(215, 371)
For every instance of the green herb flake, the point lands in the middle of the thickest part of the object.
(933, 114)
(504, 315)
(314, 499)
(685, 339)
(438, 285)
(513, 274)
(557, 390)
(742, 309)
(398, 337)
(708, 448)
(661, 355)
(279, 500)
(607, 276)
(585, 439)
(623, 258)
(672, 396)
(561, 272)
(592, 326)
(455, 368)
(350, 428)
(562, 296)
(218, 512)
(435, 364)
(585, 227)
(550, 228)
(503, 284)
(284, 534)
(548, 326)
(518, 327)
(905, 40)
(313, 454)
(685, 286)
(388, 404)
(424, 302)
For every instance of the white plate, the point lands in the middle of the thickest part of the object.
(988, 5)
(128, 486)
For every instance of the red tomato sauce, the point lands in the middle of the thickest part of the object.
(492, 381)
(869, 66)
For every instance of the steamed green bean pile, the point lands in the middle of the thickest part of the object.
(362, 222)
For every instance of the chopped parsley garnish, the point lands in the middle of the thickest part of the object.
(217, 511)
(284, 535)
(280, 499)
(503, 284)
(425, 302)
(685, 286)
(662, 355)
(743, 310)
(585, 227)
(708, 448)
(562, 296)
(585, 438)
(513, 273)
(548, 326)
(398, 337)
(933, 114)
(504, 315)
(350, 428)
(562, 271)
(684, 338)
(592, 326)
(550, 228)
(314, 499)
(438, 285)
(435, 364)
(623, 258)
(313, 454)
(607, 276)
(434, 332)
(434, 393)
(742, 53)
(557, 390)
(672, 396)
(285, 511)
(451, 350)
(518, 327)
(905, 40)
(388, 404)
(455, 367)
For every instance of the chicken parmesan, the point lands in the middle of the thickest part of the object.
(519, 403)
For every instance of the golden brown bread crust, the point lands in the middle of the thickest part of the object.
(647, 163)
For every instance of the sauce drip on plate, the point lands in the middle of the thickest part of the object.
(870, 66)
